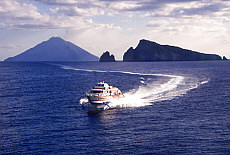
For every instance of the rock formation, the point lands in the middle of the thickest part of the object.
(224, 58)
(151, 51)
(106, 57)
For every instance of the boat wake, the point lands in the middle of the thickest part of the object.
(149, 91)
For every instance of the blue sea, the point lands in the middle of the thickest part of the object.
(168, 108)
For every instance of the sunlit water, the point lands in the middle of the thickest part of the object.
(169, 107)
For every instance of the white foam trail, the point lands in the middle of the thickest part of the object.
(76, 69)
(146, 95)
(83, 100)
(124, 72)
(204, 82)
(142, 82)
(142, 78)
(149, 92)
(198, 84)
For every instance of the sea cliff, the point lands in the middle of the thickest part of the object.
(152, 51)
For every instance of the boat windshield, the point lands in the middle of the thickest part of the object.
(96, 91)
(101, 85)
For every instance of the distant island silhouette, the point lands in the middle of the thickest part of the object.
(152, 51)
(225, 58)
(55, 49)
(106, 57)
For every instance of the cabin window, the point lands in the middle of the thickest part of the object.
(101, 85)
(96, 91)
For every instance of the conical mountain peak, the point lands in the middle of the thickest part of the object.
(55, 49)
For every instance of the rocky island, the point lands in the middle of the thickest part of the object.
(225, 58)
(55, 49)
(106, 57)
(152, 51)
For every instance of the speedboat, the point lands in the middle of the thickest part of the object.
(102, 96)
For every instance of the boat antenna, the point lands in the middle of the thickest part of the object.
(103, 80)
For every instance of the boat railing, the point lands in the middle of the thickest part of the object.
(95, 94)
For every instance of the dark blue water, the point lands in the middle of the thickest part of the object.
(178, 108)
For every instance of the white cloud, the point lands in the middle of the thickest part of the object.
(172, 8)
(76, 11)
(59, 2)
(13, 10)
(12, 46)
(16, 15)
(123, 5)
(189, 9)
(157, 23)
(55, 10)
(107, 26)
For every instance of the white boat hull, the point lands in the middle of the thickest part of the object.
(92, 108)
(100, 99)
(97, 103)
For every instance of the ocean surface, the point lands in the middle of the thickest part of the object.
(168, 108)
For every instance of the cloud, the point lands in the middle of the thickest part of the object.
(157, 23)
(58, 2)
(13, 13)
(16, 15)
(13, 10)
(214, 8)
(192, 32)
(76, 11)
(108, 26)
(72, 11)
(12, 46)
(9, 49)
(203, 10)
(152, 8)
(74, 3)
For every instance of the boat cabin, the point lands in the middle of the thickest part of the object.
(103, 89)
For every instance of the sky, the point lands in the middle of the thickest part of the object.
(115, 25)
